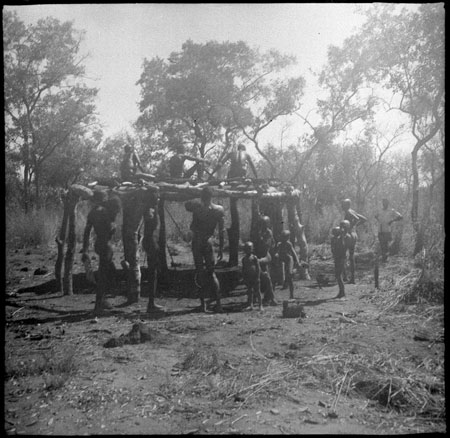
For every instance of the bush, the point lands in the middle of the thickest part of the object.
(318, 226)
(38, 227)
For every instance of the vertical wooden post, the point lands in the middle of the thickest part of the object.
(71, 243)
(233, 233)
(277, 219)
(162, 241)
(60, 241)
(291, 215)
(256, 216)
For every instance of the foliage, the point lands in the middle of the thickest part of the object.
(401, 52)
(37, 227)
(208, 94)
(47, 107)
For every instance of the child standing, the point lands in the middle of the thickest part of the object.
(339, 242)
(251, 272)
(286, 254)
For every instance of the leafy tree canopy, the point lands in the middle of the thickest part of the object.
(47, 106)
(208, 90)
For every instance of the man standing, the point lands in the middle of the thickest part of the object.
(385, 218)
(264, 244)
(354, 219)
(151, 247)
(101, 218)
(206, 216)
(239, 161)
(140, 206)
(297, 229)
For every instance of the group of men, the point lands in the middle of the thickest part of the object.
(141, 209)
(131, 168)
(344, 237)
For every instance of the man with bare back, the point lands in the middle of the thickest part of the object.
(264, 244)
(354, 219)
(297, 230)
(206, 217)
(386, 217)
(140, 207)
(239, 162)
(176, 163)
(101, 218)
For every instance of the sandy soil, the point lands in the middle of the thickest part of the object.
(236, 372)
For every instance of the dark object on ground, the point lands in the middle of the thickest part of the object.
(139, 333)
(41, 271)
(321, 280)
(294, 311)
(426, 335)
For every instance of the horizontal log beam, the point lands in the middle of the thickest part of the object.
(186, 191)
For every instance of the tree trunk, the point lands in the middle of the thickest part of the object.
(71, 244)
(233, 234)
(415, 203)
(26, 187)
(60, 241)
(37, 191)
(162, 241)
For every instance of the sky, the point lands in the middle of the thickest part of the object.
(119, 37)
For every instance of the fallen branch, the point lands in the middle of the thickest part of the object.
(256, 351)
(239, 418)
(18, 310)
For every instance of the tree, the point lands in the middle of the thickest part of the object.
(403, 52)
(209, 94)
(46, 104)
(73, 162)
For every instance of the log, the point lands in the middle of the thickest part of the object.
(77, 190)
(181, 192)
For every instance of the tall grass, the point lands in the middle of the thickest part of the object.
(38, 227)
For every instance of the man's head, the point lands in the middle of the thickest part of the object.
(385, 202)
(248, 248)
(206, 195)
(346, 204)
(99, 197)
(241, 147)
(289, 189)
(336, 231)
(128, 148)
(285, 235)
(265, 221)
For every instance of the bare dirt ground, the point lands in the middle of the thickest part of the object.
(347, 367)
